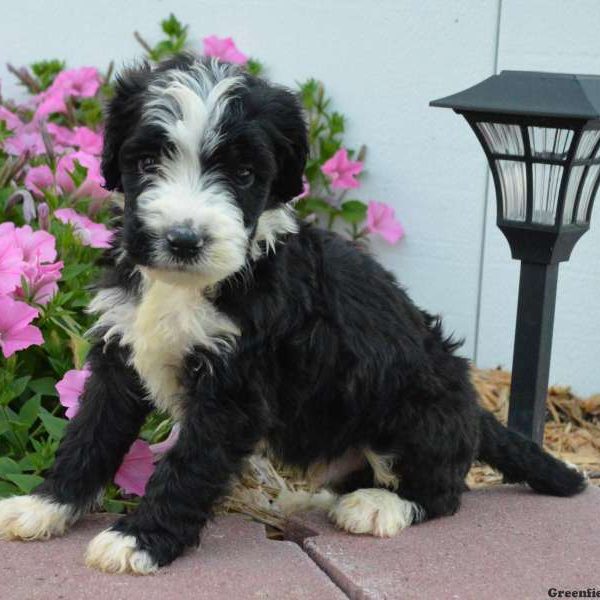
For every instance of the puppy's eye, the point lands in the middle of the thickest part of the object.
(147, 165)
(244, 176)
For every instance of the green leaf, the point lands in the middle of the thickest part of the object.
(30, 410)
(7, 489)
(44, 386)
(71, 271)
(353, 211)
(54, 425)
(319, 205)
(8, 466)
(26, 483)
(172, 26)
(46, 71)
(254, 67)
(13, 389)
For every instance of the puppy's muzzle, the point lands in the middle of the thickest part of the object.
(185, 242)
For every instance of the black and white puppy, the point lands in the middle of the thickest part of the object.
(254, 331)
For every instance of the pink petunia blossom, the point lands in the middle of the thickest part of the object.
(161, 448)
(87, 140)
(70, 389)
(77, 83)
(136, 469)
(50, 102)
(38, 179)
(83, 82)
(381, 220)
(224, 49)
(42, 282)
(11, 259)
(12, 121)
(138, 465)
(90, 233)
(36, 245)
(305, 189)
(341, 170)
(92, 186)
(30, 142)
(16, 333)
(62, 136)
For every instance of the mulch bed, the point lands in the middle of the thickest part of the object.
(572, 433)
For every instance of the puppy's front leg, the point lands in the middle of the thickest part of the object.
(111, 413)
(218, 432)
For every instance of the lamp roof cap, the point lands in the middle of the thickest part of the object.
(532, 93)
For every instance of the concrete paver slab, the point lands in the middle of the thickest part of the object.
(506, 543)
(235, 562)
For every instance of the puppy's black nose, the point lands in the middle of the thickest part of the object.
(184, 240)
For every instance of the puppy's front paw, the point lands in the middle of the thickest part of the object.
(114, 552)
(378, 512)
(33, 518)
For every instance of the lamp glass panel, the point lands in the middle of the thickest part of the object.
(503, 139)
(586, 194)
(512, 176)
(587, 143)
(549, 142)
(572, 187)
(546, 185)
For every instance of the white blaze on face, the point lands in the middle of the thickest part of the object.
(189, 108)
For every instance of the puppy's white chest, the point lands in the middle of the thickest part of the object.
(161, 329)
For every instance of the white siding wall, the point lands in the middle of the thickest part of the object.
(383, 60)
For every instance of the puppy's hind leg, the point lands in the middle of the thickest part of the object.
(112, 411)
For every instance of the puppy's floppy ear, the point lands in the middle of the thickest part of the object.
(122, 112)
(284, 118)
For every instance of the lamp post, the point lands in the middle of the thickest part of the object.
(541, 136)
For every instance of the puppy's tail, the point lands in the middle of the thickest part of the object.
(522, 461)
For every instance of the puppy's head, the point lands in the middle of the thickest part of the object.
(206, 156)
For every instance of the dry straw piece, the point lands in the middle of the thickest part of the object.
(572, 433)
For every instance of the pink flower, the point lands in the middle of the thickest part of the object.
(381, 220)
(77, 83)
(11, 259)
(305, 189)
(83, 82)
(138, 465)
(29, 142)
(13, 123)
(50, 102)
(90, 233)
(341, 170)
(136, 469)
(224, 49)
(42, 281)
(87, 140)
(70, 389)
(36, 245)
(63, 136)
(163, 447)
(16, 333)
(39, 179)
(92, 186)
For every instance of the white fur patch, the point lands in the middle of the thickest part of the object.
(272, 224)
(161, 329)
(382, 465)
(290, 502)
(113, 552)
(33, 518)
(378, 512)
